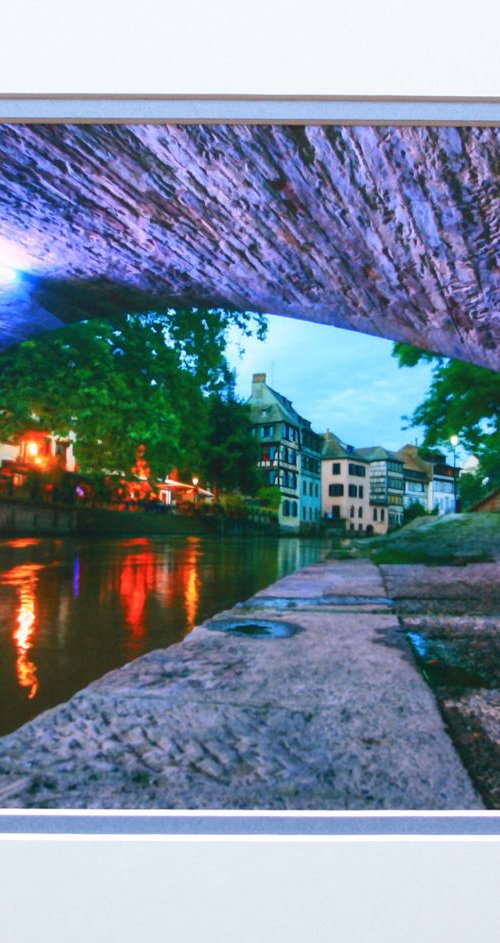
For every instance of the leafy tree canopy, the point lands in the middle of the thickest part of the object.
(463, 400)
(232, 452)
(116, 384)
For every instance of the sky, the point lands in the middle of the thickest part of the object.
(340, 380)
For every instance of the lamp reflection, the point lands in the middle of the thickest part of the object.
(24, 579)
(137, 580)
(189, 571)
(144, 575)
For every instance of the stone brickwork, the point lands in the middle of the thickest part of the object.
(389, 231)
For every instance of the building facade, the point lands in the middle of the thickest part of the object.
(441, 478)
(38, 450)
(290, 455)
(387, 488)
(417, 478)
(345, 485)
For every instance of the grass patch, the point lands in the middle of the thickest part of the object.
(409, 555)
(455, 540)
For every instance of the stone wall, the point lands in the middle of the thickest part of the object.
(35, 519)
(393, 231)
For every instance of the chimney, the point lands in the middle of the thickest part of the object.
(258, 381)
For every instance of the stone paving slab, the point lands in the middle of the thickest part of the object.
(452, 618)
(334, 717)
(446, 582)
(337, 578)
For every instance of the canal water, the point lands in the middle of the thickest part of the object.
(72, 609)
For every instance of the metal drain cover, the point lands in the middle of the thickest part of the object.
(254, 628)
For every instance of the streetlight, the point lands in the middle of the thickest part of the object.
(195, 486)
(454, 443)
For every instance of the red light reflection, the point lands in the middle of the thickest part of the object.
(24, 579)
(137, 581)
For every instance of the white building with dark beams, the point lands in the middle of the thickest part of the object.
(290, 455)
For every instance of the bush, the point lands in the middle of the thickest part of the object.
(269, 497)
(414, 510)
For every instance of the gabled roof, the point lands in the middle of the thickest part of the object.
(413, 461)
(278, 409)
(377, 453)
(333, 447)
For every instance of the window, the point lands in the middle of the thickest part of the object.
(316, 490)
(360, 527)
(360, 491)
(290, 433)
(352, 510)
(395, 467)
(286, 508)
(335, 512)
(375, 515)
(353, 491)
(360, 512)
(303, 514)
(310, 489)
(382, 514)
(335, 491)
(336, 468)
(416, 486)
(310, 514)
(289, 480)
(358, 471)
(293, 509)
(304, 487)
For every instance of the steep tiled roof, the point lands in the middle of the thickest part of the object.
(377, 453)
(282, 408)
(413, 461)
(333, 447)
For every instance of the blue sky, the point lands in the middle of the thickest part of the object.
(340, 380)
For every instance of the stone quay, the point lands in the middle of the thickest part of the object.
(305, 697)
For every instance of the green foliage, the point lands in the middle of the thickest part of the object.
(234, 504)
(270, 497)
(463, 400)
(472, 488)
(416, 509)
(231, 451)
(120, 383)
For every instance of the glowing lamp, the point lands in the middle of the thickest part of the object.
(454, 440)
(195, 481)
(32, 449)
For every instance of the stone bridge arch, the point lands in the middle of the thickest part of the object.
(392, 231)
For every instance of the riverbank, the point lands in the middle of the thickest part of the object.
(315, 703)
(19, 518)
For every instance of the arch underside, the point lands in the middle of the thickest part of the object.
(392, 231)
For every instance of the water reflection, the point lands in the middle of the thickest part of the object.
(71, 610)
(24, 579)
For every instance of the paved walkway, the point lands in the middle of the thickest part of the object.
(336, 716)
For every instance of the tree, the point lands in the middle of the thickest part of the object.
(415, 509)
(231, 451)
(270, 497)
(463, 400)
(117, 384)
